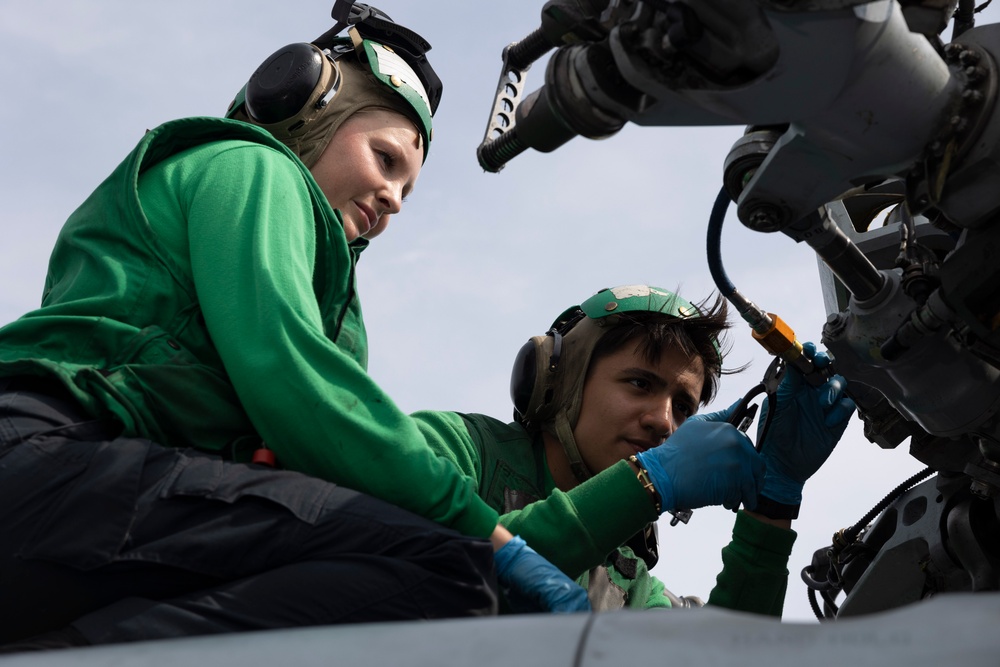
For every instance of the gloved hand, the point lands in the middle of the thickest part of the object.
(704, 463)
(533, 584)
(718, 416)
(803, 432)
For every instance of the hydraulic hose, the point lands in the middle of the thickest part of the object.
(768, 329)
(722, 281)
(755, 316)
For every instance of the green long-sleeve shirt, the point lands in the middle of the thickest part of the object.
(204, 296)
(584, 528)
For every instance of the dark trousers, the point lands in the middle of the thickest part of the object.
(128, 540)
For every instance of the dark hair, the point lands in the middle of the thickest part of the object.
(695, 336)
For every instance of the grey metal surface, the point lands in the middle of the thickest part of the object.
(843, 125)
(910, 558)
(953, 629)
(949, 630)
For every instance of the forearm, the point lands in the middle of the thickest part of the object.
(577, 529)
(755, 567)
(499, 537)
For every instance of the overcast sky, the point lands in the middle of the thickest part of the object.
(476, 263)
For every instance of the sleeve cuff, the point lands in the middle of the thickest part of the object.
(763, 537)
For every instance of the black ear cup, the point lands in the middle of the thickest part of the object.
(284, 83)
(525, 385)
(524, 380)
(522, 377)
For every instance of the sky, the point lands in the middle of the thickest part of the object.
(476, 263)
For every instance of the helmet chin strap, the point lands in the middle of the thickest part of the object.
(564, 433)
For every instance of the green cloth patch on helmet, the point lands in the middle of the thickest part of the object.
(392, 70)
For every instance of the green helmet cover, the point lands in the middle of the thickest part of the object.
(637, 298)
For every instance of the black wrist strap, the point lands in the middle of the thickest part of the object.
(772, 509)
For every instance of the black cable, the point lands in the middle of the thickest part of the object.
(847, 545)
(726, 287)
(851, 534)
(815, 605)
(830, 608)
(714, 244)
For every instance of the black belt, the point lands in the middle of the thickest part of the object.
(37, 384)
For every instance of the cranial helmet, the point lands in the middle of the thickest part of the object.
(303, 92)
(549, 371)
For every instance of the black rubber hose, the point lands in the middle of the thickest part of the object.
(714, 245)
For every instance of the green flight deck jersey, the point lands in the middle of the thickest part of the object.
(581, 531)
(204, 296)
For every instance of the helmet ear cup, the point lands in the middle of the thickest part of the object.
(535, 368)
(284, 83)
(289, 87)
(522, 378)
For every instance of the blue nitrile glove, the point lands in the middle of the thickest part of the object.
(533, 584)
(704, 463)
(717, 416)
(804, 430)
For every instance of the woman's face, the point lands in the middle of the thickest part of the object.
(369, 167)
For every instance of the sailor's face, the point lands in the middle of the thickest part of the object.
(369, 167)
(631, 404)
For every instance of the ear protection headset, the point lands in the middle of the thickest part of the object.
(549, 370)
(290, 89)
(540, 355)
